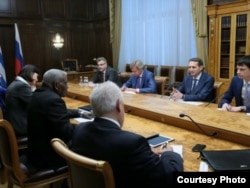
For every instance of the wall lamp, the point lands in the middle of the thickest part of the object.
(58, 41)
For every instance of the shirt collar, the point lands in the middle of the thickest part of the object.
(198, 77)
(114, 121)
(22, 80)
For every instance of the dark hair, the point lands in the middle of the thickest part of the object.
(198, 60)
(245, 60)
(27, 72)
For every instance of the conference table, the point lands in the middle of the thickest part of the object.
(149, 114)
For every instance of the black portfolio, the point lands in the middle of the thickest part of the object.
(227, 160)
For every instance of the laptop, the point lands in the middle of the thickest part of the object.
(227, 160)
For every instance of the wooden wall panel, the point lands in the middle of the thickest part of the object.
(100, 9)
(54, 9)
(7, 46)
(80, 10)
(33, 44)
(103, 41)
(82, 36)
(28, 9)
(84, 25)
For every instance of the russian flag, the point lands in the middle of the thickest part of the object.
(19, 61)
(3, 82)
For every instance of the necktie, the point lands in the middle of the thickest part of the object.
(247, 95)
(194, 85)
(103, 76)
(138, 82)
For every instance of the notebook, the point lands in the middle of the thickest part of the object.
(227, 160)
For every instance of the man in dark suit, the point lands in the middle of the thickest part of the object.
(48, 118)
(141, 80)
(105, 73)
(239, 88)
(133, 161)
(197, 86)
(18, 96)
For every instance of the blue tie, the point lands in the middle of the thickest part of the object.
(138, 82)
(194, 86)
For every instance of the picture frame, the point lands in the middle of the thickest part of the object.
(70, 65)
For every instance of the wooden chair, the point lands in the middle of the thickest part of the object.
(17, 172)
(160, 84)
(166, 70)
(22, 143)
(152, 68)
(127, 68)
(85, 172)
(124, 76)
(217, 95)
(179, 73)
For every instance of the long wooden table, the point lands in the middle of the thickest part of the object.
(229, 126)
(184, 137)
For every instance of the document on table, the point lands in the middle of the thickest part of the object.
(80, 119)
(190, 102)
(177, 149)
(129, 92)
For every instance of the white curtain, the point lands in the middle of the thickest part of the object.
(158, 32)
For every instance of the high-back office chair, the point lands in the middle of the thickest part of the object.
(127, 68)
(217, 95)
(160, 84)
(179, 73)
(124, 76)
(166, 71)
(152, 68)
(16, 170)
(85, 172)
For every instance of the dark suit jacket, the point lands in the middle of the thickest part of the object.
(203, 91)
(48, 118)
(148, 84)
(234, 91)
(131, 158)
(18, 97)
(110, 74)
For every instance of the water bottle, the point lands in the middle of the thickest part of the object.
(85, 81)
(81, 82)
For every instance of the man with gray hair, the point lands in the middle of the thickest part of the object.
(48, 118)
(134, 162)
(141, 79)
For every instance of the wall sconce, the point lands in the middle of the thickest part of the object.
(58, 41)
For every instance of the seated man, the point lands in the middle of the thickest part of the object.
(105, 73)
(197, 86)
(133, 161)
(18, 96)
(239, 88)
(141, 80)
(47, 118)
